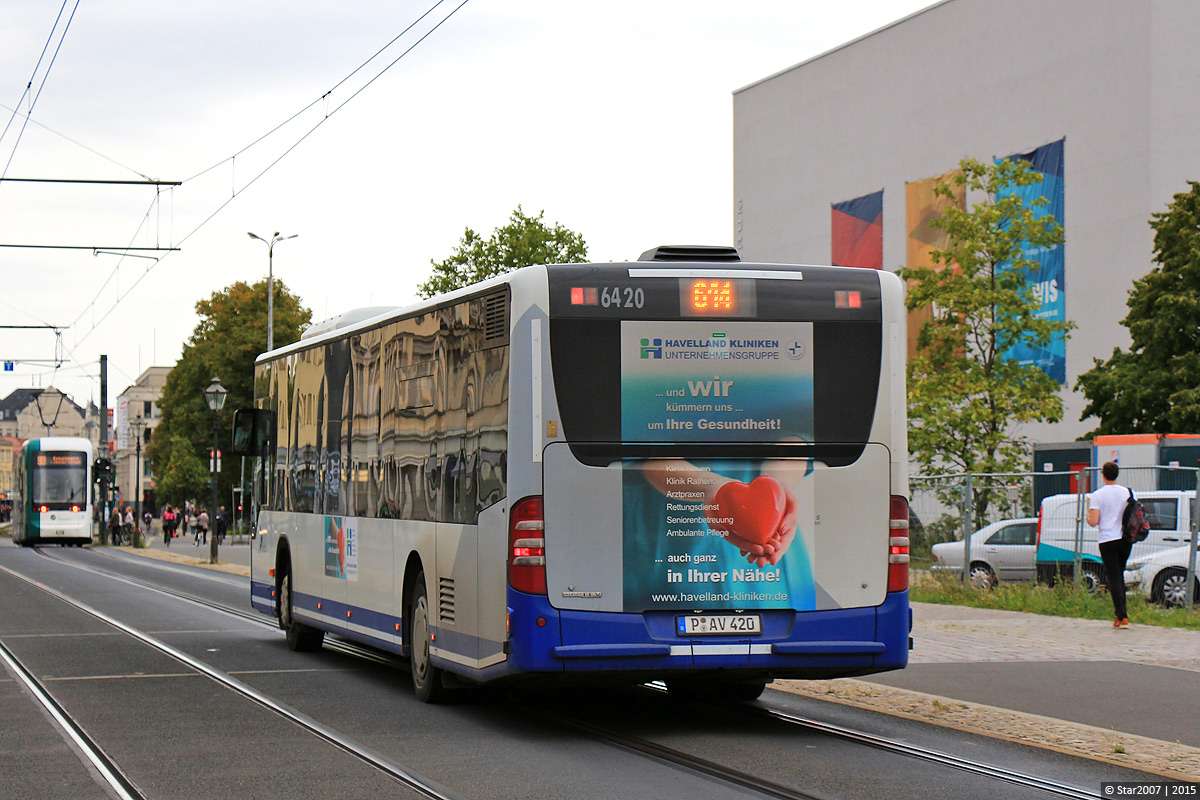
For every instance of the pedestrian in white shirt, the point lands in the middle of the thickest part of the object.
(1106, 507)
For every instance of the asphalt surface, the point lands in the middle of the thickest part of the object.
(1144, 680)
(180, 734)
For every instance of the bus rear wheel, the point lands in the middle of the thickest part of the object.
(426, 678)
(300, 637)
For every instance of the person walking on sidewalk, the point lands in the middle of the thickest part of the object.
(202, 528)
(220, 525)
(1106, 506)
(114, 527)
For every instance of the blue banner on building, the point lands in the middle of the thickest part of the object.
(1049, 278)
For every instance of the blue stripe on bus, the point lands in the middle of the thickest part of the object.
(338, 614)
(594, 641)
(332, 615)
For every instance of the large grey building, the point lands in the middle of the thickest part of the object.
(1114, 85)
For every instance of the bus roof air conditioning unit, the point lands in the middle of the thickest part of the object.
(691, 253)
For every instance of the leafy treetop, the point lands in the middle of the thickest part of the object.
(524, 240)
(1154, 387)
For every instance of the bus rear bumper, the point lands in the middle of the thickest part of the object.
(793, 644)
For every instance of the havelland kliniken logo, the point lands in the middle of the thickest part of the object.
(653, 348)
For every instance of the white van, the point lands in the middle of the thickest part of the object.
(1168, 512)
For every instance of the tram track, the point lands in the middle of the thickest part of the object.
(423, 786)
(338, 645)
(110, 773)
(661, 752)
(675, 756)
(778, 790)
(945, 759)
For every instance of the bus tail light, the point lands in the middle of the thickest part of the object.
(898, 545)
(43, 509)
(75, 509)
(527, 547)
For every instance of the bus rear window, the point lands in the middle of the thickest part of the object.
(745, 362)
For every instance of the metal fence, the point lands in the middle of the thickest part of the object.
(985, 529)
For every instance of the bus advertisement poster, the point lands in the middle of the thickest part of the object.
(716, 381)
(705, 533)
(341, 548)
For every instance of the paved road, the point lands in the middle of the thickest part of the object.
(1143, 680)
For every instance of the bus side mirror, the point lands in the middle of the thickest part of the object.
(253, 432)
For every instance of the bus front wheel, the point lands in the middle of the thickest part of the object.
(300, 637)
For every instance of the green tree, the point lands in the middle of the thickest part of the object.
(184, 475)
(231, 333)
(524, 240)
(964, 391)
(1154, 387)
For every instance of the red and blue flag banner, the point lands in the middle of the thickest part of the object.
(1048, 279)
(856, 228)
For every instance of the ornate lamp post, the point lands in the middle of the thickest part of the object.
(274, 240)
(214, 395)
(137, 425)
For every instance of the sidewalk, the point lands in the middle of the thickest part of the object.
(233, 556)
(958, 634)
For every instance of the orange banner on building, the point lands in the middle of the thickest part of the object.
(922, 206)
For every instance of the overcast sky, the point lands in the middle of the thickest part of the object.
(614, 118)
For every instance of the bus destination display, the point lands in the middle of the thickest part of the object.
(696, 297)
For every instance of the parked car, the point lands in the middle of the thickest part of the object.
(1168, 512)
(1162, 576)
(1002, 551)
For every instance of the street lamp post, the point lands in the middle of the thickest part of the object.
(274, 240)
(214, 395)
(137, 425)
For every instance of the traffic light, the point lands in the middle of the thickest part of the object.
(102, 470)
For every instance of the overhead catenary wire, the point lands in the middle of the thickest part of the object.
(45, 77)
(79, 144)
(238, 191)
(36, 67)
(333, 88)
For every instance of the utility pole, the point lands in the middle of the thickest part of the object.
(104, 512)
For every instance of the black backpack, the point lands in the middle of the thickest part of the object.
(1135, 527)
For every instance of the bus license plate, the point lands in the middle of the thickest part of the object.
(718, 625)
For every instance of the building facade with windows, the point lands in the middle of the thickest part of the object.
(137, 415)
(836, 158)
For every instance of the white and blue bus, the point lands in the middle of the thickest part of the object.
(52, 497)
(686, 468)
